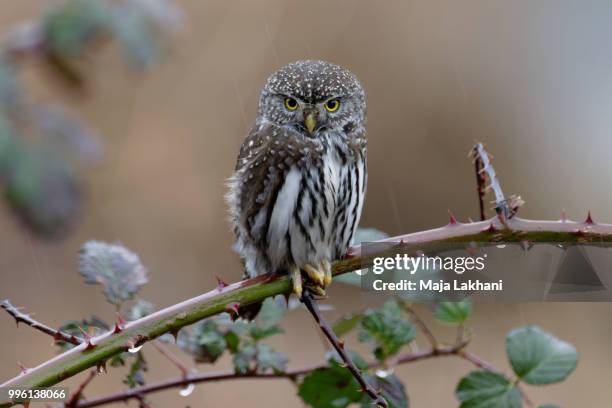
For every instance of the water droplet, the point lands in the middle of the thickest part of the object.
(187, 390)
(135, 349)
(101, 369)
(383, 373)
(501, 246)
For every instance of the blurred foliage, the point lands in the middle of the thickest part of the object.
(43, 148)
(113, 266)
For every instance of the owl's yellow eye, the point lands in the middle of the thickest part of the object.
(291, 104)
(332, 105)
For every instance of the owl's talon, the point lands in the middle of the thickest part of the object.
(316, 275)
(317, 290)
(328, 272)
(296, 279)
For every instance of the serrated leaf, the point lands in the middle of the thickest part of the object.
(135, 376)
(538, 357)
(484, 389)
(204, 341)
(115, 267)
(387, 329)
(140, 309)
(453, 312)
(332, 387)
(346, 324)
(392, 389)
(268, 359)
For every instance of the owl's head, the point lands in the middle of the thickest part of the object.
(313, 97)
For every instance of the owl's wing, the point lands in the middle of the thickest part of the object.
(265, 158)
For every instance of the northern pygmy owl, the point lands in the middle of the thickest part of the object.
(300, 180)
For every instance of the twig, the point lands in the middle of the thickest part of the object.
(339, 347)
(422, 325)
(292, 375)
(29, 321)
(74, 399)
(480, 183)
(171, 356)
(501, 206)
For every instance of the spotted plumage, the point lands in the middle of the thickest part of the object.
(299, 185)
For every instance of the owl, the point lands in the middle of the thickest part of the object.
(300, 180)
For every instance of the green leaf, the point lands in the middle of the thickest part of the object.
(233, 341)
(204, 341)
(332, 387)
(387, 329)
(244, 359)
(549, 406)
(140, 309)
(135, 376)
(268, 359)
(271, 313)
(392, 390)
(42, 190)
(115, 267)
(538, 357)
(71, 27)
(347, 323)
(137, 34)
(258, 333)
(484, 389)
(453, 312)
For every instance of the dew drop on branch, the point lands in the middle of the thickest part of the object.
(187, 390)
(135, 349)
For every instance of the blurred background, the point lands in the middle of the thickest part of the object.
(530, 79)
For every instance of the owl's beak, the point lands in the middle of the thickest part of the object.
(310, 120)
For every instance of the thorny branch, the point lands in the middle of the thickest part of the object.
(21, 317)
(339, 347)
(503, 227)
